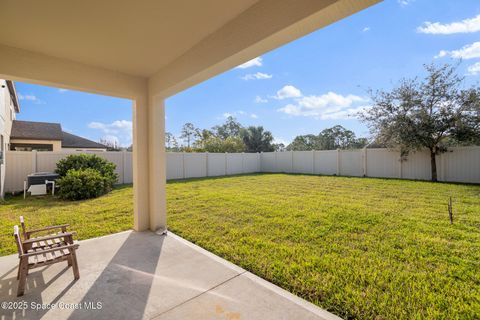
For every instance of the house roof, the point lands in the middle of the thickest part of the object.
(72, 141)
(50, 131)
(36, 130)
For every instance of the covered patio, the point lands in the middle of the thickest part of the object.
(147, 51)
(141, 275)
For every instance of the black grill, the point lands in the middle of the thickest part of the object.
(40, 178)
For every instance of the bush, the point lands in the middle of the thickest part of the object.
(84, 176)
(82, 184)
(88, 161)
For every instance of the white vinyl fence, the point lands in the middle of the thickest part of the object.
(460, 164)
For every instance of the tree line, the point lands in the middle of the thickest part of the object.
(231, 136)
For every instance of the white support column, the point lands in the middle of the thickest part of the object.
(157, 164)
(141, 220)
(149, 159)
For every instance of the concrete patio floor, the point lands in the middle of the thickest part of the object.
(142, 275)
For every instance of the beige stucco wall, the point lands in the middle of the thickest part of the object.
(7, 112)
(57, 145)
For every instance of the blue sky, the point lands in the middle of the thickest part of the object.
(303, 87)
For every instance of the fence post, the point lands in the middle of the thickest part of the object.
(442, 165)
(313, 161)
(400, 169)
(365, 161)
(338, 162)
(34, 161)
(276, 162)
(124, 156)
(206, 164)
(226, 162)
(183, 164)
(260, 159)
(243, 162)
(292, 162)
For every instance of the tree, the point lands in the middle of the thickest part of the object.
(304, 143)
(231, 128)
(217, 144)
(428, 113)
(256, 139)
(336, 137)
(202, 137)
(188, 133)
(111, 145)
(171, 143)
(279, 147)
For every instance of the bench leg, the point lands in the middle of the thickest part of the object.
(22, 278)
(73, 257)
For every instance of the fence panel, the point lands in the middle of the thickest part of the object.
(234, 163)
(326, 162)
(18, 165)
(128, 167)
(216, 164)
(195, 165)
(303, 162)
(284, 161)
(351, 163)
(383, 163)
(268, 162)
(174, 165)
(251, 162)
(417, 166)
(462, 165)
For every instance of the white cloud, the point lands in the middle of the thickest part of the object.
(330, 105)
(119, 129)
(474, 69)
(259, 99)
(30, 97)
(256, 62)
(404, 3)
(63, 90)
(257, 76)
(253, 116)
(288, 91)
(469, 51)
(366, 29)
(464, 26)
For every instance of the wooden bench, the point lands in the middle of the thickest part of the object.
(42, 251)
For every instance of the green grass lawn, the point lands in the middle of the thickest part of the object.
(361, 248)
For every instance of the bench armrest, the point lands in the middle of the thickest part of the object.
(62, 227)
(54, 236)
(36, 253)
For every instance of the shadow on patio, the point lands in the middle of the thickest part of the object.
(142, 275)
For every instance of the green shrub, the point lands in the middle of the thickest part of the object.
(84, 176)
(82, 184)
(89, 161)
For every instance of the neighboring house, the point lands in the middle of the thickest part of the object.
(9, 107)
(46, 136)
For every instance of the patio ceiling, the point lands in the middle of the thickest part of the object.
(169, 41)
